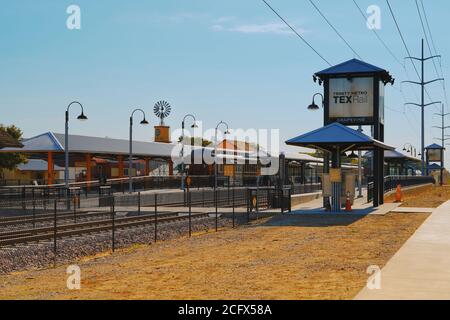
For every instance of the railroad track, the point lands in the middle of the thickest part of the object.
(49, 217)
(76, 229)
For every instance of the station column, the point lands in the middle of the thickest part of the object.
(50, 168)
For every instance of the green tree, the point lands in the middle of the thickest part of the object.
(197, 141)
(12, 160)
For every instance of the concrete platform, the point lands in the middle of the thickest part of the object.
(420, 270)
(360, 207)
(413, 210)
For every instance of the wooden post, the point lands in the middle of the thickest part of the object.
(170, 168)
(120, 166)
(147, 166)
(88, 170)
(50, 168)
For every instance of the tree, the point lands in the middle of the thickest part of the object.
(195, 141)
(12, 160)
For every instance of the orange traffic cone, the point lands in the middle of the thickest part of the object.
(398, 193)
(348, 204)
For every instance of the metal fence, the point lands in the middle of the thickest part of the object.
(391, 183)
(24, 195)
(50, 221)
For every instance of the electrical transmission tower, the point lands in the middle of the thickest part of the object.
(422, 105)
(443, 138)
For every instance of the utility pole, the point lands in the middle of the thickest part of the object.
(422, 105)
(443, 138)
(360, 195)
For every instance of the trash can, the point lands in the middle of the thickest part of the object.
(104, 198)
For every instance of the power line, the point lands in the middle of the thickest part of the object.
(401, 36)
(405, 45)
(391, 52)
(295, 31)
(388, 49)
(436, 52)
(426, 37)
(378, 36)
(429, 30)
(335, 30)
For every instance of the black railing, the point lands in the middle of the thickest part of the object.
(24, 195)
(391, 183)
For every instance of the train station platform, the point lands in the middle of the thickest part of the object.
(360, 207)
(419, 270)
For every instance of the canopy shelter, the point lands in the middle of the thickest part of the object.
(84, 150)
(434, 166)
(397, 163)
(6, 141)
(352, 67)
(435, 153)
(336, 139)
(337, 136)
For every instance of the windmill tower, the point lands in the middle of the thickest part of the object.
(162, 110)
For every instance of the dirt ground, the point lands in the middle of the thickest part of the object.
(424, 197)
(283, 257)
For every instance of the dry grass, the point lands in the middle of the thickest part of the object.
(285, 257)
(424, 197)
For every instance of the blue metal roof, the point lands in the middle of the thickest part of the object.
(434, 166)
(351, 66)
(334, 134)
(37, 165)
(434, 146)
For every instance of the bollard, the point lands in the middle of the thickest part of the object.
(217, 214)
(190, 212)
(247, 193)
(74, 210)
(139, 203)
(156, 217)
(54, 233)
(233, 207)
(34, 214)
(113, 226)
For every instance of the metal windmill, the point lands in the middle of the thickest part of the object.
(162, 110)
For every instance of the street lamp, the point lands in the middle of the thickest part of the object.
(183, 124)
(408, 147)
(360, 173)
(227, 131)
(81, 117)
(313, 106)
(130, 161)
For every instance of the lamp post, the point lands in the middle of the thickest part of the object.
(227, 131)
(326, 159)
(313, 106)
(360, 195)
(81, 117)
(130, 160)
(408, 147)
(183, 124)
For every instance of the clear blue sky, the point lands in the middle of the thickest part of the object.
(221, 60)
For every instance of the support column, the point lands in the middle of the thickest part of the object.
(326, 170)
(336, 186)
(50, 168)
(88, 170)
(381, 186)
(376, 177)
(147, 166)
(170, 167)
(120, 166)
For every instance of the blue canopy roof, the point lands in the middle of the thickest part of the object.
(353, 66)
(434, 146)
(434, 166)
(336, 134)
